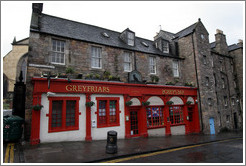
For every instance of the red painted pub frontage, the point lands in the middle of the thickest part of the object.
(81, 110)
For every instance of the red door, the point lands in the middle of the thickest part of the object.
(134, 123)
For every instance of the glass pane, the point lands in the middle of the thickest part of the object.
(70, 112)
(56, 113)
(102, 112)
(112, 111)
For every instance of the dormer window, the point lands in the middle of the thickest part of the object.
(165, 47)
(130, 38)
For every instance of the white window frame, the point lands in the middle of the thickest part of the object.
(176, 68)
(57, 50)
(96, 57)
(130, 38)
(165, 47)
(127, 61)
(152, 65)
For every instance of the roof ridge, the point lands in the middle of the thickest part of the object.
(187, 28)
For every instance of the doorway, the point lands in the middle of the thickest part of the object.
(134, 123)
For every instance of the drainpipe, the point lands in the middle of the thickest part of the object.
(200, 109)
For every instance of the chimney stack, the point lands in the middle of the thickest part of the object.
(221, 45)
(37, 9)
(240, 42)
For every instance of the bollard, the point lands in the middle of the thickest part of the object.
(111, 146)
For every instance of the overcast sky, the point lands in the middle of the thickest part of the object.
(144, 18)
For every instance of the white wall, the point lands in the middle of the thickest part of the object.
(101, 133)
(74, 135)
(157, 132)
(178, 130)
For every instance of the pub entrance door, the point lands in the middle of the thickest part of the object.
(134, 123)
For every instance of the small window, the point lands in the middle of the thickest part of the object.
(227, 118)
(145, 44)
(232, 101)
(152, 65)
(155, 117)
(96, 57)
(202, 36)
(165, 47)
(176, 115)
(175, 68)
(207, 81)
(221, 65)
(127, 61)
(63, 114)
(58, 53)
(107, 112)
(130, 38)
(235, 84)
(105, 34)
(223, 83)
(204, 59)
(209, 101)
(225, 101)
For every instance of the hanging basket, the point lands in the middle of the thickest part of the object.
(145, 103)
(37, 107)
(169, 103)
(128, 103)
(89, 104)
(189, 102)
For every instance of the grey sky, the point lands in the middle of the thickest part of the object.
(144, 18)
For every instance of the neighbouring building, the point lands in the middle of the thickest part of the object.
(13, 63)
(90, 80)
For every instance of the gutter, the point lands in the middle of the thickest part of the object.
(200, 110)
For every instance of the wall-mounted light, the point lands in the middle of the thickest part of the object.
(51, 94)
(196, 101)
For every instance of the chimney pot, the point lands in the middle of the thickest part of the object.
(219, 31)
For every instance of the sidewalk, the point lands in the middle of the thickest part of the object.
(95, 151)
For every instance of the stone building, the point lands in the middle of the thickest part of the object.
(13, 63)
(185, 65)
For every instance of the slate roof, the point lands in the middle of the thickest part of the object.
(186, 31)
(212, 45)
(234, 47)
(89, 33)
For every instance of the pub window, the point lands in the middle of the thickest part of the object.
(96, 57)
(107, 112)
(152, 65)
(175, 68)
(155, 117)
(58, 54)
(63, 113)
(176, 115)
(127, 61)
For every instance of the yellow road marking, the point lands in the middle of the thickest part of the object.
(6, 160)
(164, 151)
(9, 154)
(11, 160)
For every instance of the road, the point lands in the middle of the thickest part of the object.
(227, 151)
(12, 153)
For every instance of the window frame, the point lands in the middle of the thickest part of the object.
(63, 127)
(129, 62)
(165, 47)
(207, 81)
(108, 99)
(161, 109)
(57, 51)
(94, 57)
(181, 116)
(175, 68)
(130, 38)
(152, 65)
